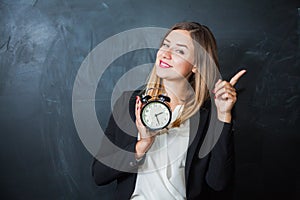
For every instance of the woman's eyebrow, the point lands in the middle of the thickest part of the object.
(178, 44)
(182, 45)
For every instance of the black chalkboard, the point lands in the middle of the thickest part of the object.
(43, 44)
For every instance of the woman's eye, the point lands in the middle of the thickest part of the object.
(165, 45)
(180, 51)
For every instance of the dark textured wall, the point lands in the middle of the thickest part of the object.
(43, 43)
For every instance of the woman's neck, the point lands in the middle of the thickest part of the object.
(177, 91)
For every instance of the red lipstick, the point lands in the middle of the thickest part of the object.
(163, 64)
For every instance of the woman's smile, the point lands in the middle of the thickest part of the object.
(163, 64)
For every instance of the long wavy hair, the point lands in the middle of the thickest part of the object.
(206, 61)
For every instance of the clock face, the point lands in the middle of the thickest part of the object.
(156, 115)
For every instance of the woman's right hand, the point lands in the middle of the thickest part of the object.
(146, 136)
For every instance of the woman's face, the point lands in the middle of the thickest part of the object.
(175, 58)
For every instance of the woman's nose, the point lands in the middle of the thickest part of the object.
(167, 54)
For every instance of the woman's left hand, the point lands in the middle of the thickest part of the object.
(225, 96)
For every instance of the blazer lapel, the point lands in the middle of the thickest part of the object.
(197, 124)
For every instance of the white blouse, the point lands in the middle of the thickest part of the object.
(162, 174)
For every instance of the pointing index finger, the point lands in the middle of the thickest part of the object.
(236, 77)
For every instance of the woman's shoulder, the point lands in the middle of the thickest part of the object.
(127, 101)
(129, 96)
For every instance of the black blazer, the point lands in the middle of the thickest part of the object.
(213, 172)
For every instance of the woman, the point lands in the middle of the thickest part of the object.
(167, 164)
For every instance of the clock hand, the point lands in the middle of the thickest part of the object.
(159, 113)
(156, 118)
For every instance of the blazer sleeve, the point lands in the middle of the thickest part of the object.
(221, 164)
(116, 156)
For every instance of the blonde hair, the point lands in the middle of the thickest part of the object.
(206, 61)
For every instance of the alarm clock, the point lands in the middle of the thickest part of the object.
(156, 113)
